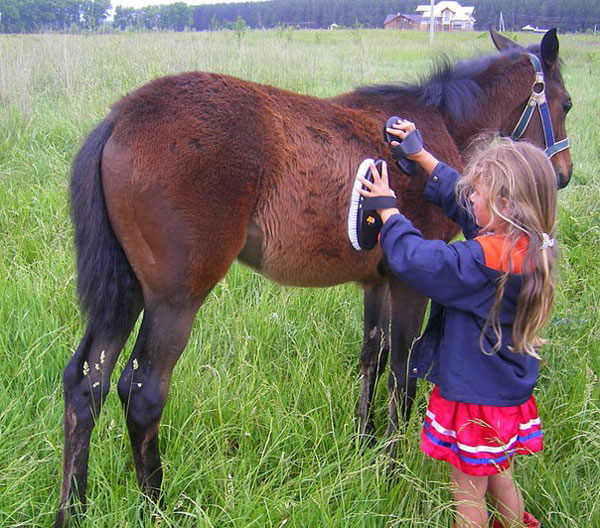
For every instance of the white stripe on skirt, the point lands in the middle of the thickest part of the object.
(480, 449)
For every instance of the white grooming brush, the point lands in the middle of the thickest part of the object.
(356, 204)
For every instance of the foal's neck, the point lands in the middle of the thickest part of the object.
(506, 85)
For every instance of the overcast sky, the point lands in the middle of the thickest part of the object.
(143, 3)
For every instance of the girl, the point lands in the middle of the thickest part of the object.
(491, 296)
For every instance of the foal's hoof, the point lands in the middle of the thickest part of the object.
(367, 437)
(62, 520)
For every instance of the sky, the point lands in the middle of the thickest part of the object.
(143, 3)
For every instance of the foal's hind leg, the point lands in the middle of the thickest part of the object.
(408, 308)
(86, 383)
(375, 349)
(144, 385)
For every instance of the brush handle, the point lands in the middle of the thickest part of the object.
(375, 203)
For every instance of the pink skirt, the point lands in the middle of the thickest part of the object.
(480, 439)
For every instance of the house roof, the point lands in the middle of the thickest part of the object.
(535, 29)
(410, 16)
(460, 12)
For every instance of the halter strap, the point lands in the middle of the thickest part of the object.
(538, 98)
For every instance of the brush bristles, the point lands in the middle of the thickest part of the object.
(356, 204)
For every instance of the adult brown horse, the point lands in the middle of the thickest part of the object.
(192, 171)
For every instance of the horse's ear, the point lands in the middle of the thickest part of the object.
(501, 42)
(549, 49)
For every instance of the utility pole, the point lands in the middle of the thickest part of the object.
(501, 26)
(431, 24)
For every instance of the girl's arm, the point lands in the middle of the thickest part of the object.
(447, 273)
(440, 188)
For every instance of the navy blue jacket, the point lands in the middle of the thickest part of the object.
(462, 290)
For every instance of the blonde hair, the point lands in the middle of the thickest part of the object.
(521, 193)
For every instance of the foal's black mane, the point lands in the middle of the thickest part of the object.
(450, 87)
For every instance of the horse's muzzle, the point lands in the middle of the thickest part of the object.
(562, 179)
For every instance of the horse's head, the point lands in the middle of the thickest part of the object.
(549, 99)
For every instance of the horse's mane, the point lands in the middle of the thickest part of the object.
(452, 88)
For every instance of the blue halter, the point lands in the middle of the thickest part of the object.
(538, 98)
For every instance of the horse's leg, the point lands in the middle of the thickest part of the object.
(375, 349)
(408, 308)
(183, 219)
(144, 384)
(86, 382)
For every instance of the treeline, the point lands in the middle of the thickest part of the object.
(175, 17)
(297, 13)
(31, 16)
(18, 16)
(302, 13)
(566, 15)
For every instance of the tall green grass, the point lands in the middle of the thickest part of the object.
(260, 427)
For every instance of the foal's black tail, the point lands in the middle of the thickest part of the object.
(105, 281)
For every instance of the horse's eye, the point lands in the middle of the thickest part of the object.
(567, 106)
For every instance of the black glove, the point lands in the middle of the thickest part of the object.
(411, 144)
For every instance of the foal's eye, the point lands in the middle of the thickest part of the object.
(567, 106)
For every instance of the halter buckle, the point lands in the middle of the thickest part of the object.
(539, 86)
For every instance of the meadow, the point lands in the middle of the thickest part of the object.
(260, 428)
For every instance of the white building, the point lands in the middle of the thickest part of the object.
(448, 16)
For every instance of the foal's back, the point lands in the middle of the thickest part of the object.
(207, 158)
(230, 168)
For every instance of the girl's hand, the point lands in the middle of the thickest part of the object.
(379, 187)
(401, 129)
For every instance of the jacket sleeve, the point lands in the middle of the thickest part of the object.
(441, 190)
(449, 274)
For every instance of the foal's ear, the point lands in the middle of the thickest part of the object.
(549, 49)
(501, 42)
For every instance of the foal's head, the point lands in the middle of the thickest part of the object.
(558, 103)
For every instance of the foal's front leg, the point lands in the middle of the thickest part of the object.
(375, 350)
(408, 308)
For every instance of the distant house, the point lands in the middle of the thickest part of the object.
(448, 16)
(402, 21)
(535, 29)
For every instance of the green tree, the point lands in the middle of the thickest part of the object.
(11, 17)
(93, 13)
(240, 27)
(125, 17)
(175, 16)
(149, 17)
